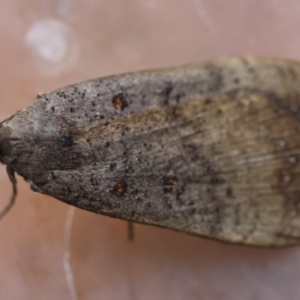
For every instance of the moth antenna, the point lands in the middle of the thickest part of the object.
(13, 180)
(130, 231)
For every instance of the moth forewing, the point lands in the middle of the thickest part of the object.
(209, 149)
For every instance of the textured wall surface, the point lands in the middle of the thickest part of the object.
(52, 251)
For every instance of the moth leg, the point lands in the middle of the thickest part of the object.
(130, 231)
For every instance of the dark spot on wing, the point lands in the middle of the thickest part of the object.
(65, 140)
(119, 101)
(120, 188)
(169, 183)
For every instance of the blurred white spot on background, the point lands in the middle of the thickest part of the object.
(53, 46)
(48, 40)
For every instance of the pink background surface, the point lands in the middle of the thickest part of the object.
(46, 44)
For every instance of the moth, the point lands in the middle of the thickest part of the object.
(211, 149)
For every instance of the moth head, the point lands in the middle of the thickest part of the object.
(5, 150)
(6, 141)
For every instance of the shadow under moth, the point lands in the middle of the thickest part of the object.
(211, 149)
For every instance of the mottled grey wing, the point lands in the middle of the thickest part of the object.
(211, 150)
